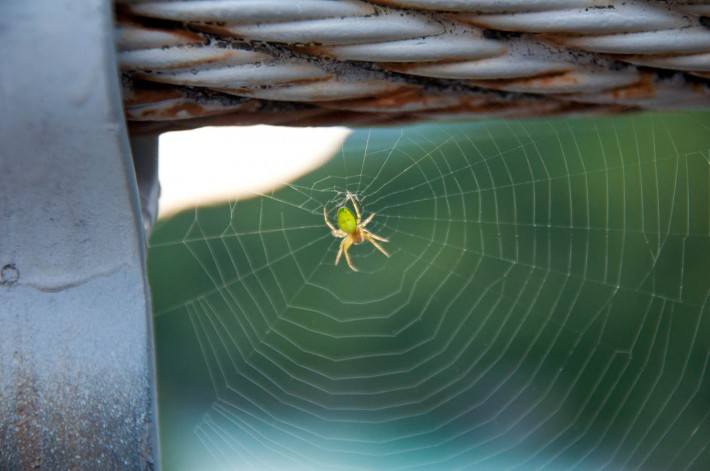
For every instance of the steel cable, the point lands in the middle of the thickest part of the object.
(319, 62)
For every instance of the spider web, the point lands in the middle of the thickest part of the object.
(545, 306)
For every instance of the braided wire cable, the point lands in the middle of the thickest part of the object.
(320, 62)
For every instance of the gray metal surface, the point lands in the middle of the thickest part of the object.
(76, 357)
(145, 162)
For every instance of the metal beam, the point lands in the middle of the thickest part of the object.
(76, 356)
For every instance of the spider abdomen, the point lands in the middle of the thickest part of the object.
(347, 221)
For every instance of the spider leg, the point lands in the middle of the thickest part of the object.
(348, 243)
(369, 218)
(369, 238)
(357, 210)
(332, 227)
(374, 236)
(344, 247)
(340, 251)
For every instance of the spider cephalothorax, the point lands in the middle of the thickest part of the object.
(352, 231)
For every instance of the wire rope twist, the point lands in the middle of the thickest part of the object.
(193, 63)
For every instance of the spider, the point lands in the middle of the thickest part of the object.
(352, 231)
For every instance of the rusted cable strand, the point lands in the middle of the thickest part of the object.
(320, 62)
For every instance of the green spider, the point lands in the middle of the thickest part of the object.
(352, 231)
